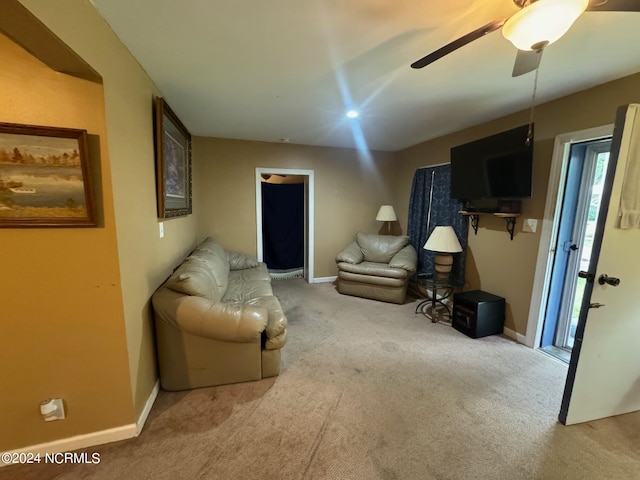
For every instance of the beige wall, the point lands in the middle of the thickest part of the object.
(62, 332)
(145, 259)
(494, 263)
(349, 189)
(89, 306)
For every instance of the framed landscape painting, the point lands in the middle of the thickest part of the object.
(45, 179)
(173, 162)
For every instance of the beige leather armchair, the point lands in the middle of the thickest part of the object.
(377, 267)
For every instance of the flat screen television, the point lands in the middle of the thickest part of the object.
(495, 167)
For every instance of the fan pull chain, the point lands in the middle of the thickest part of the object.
(533, 105)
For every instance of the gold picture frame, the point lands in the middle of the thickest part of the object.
(173, 162)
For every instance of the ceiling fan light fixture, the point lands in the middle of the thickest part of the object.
(542, 22)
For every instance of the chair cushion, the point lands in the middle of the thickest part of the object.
(247, 284)
(215, 257)
(368, 280)
(380, 248)
(194, 278)
(241, 261)
(374, 269)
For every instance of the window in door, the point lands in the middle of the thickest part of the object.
(582, 193)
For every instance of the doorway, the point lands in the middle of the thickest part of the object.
(565, 238)
(283, 225)
(308, 209)
(580, 204)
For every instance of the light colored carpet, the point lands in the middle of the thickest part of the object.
(371, 390)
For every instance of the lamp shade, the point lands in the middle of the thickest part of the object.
(386, 214)
(443, 239)
(542, 22)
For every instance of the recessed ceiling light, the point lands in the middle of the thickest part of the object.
(353, 114)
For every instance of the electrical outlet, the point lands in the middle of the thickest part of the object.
(161, 229)
(52, 409)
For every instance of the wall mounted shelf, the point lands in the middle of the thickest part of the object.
(510, 218)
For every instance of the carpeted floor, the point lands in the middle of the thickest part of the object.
(370, 390)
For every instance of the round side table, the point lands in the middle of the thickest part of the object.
(434, 291)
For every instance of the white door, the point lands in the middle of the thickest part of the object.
(604, 371)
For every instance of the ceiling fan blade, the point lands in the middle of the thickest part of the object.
(460, 42)
(614, 6)
(526, 61)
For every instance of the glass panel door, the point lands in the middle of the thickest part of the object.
(593, 181)
(580, 205)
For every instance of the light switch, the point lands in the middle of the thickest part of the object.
(161, 228)
(530, 225)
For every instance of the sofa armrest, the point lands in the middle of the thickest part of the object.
(229, 322)
(351, 254)
(241, 261)
(406, 258)
(277, 342)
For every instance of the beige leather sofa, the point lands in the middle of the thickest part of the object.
(377, 267)
(217, 321)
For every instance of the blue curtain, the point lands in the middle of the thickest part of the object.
(283, 225)
(431, 205)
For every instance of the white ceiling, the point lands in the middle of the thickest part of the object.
(289, 69)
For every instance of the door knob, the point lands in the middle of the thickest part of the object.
(587, 275)
(606, 279)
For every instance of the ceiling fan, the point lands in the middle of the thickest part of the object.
(537, 24)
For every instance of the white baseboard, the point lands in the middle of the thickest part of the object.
(147, 408)
(79, 441)
(94, 438)
(518, 337)
(324, 279)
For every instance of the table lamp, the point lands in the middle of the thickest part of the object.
(444, 242)
(387, 214)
